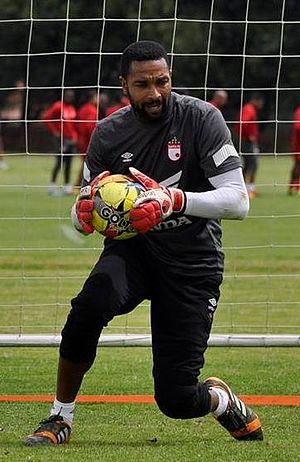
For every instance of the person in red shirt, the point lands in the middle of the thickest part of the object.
(219, 99)
(247, 130)
(87, 116)
(123, 101)
(59, 119)
(294, 186)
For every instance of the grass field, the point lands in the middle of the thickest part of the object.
(139, 432)
(43, 265)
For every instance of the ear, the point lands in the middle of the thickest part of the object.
(124, 85)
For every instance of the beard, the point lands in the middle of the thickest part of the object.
(152, 109)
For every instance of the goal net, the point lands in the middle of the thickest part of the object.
(50, 47)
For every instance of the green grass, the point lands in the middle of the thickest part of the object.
(134, 432)
(42, 268)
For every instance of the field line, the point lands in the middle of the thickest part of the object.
(256, 400)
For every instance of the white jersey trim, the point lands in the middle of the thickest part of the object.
(226, 151)
(172, 180)
(86, 173)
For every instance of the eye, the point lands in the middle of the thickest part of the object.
(141, 84)
(162, 82)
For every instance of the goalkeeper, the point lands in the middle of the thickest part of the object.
(180, 149)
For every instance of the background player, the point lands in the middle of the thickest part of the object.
(122, 101)
(219, 99)
(59, 119)
(248, 130)
(87, 115)
(176, 260)
(294, 186)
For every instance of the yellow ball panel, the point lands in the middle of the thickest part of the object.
(99, 223)
(125, 235)
(130, 198)
(113, 193)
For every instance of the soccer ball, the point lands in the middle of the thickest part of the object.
(113, 199)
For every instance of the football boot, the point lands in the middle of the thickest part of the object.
(53, 430)
(239, 419)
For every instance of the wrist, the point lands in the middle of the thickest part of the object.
(74, 218)
(82, 220)
(178, 199)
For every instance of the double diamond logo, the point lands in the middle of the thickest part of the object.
(127, 156)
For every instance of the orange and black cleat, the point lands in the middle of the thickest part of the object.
(241, 422)
(51, 431)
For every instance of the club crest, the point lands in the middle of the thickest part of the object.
(174, 149)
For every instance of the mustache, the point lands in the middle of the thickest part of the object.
(153, 101)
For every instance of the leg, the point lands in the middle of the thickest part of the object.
(249, 171)
(294, 186)
(67, 160)
(80, 173)
(181, 321)
(117, 284)
(67, 167)
(56, 168)
(54, 190)
(3, 165)
(69, 378)
(69, 150)
(120, 283)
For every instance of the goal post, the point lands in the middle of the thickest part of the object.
(50, 47)
(136, 340)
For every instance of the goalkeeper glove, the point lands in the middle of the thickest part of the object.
(81, 213)
(155, 204)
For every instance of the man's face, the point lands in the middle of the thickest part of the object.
(148, 87)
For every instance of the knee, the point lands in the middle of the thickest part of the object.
(81, 331)
(171, 402)
(79, 345)
(183, 401)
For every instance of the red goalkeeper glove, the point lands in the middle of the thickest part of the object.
(155, 204)
(81, 213)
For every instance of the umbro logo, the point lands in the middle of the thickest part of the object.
(212, 304)
(127, 156)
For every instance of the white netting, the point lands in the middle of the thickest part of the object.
(51, 47)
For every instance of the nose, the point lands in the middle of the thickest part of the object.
(153, 92)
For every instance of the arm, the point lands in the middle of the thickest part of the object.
(53, 112)
(229, 200)
(81, 213)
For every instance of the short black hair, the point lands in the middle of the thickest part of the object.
(144, 50)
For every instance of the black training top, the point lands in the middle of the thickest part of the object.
(184, 148)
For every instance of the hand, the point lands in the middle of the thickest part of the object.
(81, 213)
(155, 204)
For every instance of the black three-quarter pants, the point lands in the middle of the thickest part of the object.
(182, 309)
